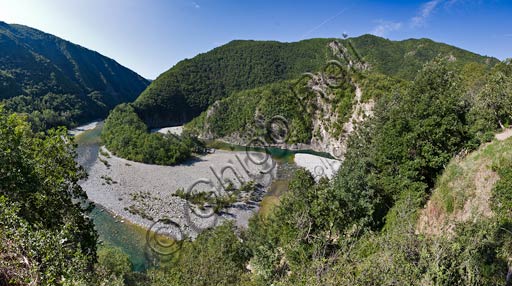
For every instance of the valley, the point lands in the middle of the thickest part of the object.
(248, 155)
(131, 197)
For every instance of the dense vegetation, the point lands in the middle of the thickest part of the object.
(403, 59)
(247, 83)
(240, 115)
(187, 89)
(126, 135)
(362, 227)
(44, 235)
(57, 82)
(251, 110)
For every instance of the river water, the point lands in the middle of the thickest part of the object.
(112, 231)
(130, 238)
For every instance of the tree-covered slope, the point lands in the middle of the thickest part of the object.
(58, 82)
(188, 88)
(127, 136)
(403, 59)
(408, 166)
(46, 237)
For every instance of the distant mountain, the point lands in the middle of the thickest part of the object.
(188, 88)
(57, 82)
(403, 59)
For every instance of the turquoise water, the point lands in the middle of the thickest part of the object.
(131, 239)
(276, 153)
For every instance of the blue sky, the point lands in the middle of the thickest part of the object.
(150, 36)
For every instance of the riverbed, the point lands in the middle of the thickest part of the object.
(132, 197)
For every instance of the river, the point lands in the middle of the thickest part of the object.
(130, 238)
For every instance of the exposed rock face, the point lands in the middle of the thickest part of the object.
(326, 136)
(329, 131)
(324, 121)
(326, 118)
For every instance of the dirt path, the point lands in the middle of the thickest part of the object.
(504, 134)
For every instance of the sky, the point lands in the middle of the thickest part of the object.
(150, 36)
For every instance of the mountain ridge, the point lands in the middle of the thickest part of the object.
(35, 66)
(189, 87)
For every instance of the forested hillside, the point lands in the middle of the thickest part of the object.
(422, 162)
(422, 198)
(317, 116)
(188, 88)
(403, 59)
(323, 108)
(57, 82)
(249, 81)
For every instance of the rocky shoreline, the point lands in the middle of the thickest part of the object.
(145, 194)
(317, 166)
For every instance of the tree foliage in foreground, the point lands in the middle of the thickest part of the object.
(44, 233)
(216, 257)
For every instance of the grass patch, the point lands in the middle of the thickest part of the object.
(267, 205)
(105, 162)
(108, 180)
(219, 202)
(466, 184)
(104, 153)
(134, 210)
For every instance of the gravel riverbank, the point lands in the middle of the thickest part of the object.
(318, 166)
(143, 194)
(81, 129)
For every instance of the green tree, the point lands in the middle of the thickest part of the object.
(127, 136)
(113, 266)
(216, 257)
(43, 208)
(495, 100)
